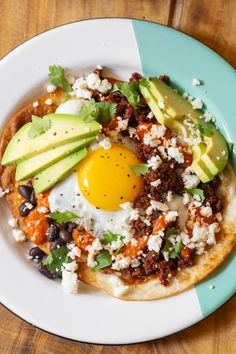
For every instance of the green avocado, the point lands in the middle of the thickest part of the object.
(47, 178)
(35, 164)
(64, 128)
(170, 109)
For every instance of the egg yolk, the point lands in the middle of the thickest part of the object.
(106, 179)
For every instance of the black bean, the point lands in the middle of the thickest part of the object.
(36, 253)
(29, 184)
(24, 210)
(52, 233)
(65, 235)
(43, 270)
(24, 191)
(32, 198)
(56, 244)
(71, 226)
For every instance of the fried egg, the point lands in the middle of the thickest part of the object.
(96, 189)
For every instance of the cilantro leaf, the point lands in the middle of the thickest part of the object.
(205, 128)
(109, 237)
(139, 170)
(176, 251)
(106, 111)
(89, 112)
(171, 231)
(196, 191)
(38, 126)
(130, 91)
(167, 246)
(145, 83)
(101, 111)
(57, 78)
(56, 258)
(103, 260)
(63, 217)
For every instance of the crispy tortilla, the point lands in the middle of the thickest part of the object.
(151, 288)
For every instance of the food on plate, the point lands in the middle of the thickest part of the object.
(126, 186)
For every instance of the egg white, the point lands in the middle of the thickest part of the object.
(67, 196)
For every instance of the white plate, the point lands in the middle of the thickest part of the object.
(124, 46)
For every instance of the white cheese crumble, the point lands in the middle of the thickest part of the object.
(51, 88)
(29, 206)
(206, 211)
(134, 214)
(190, 179)
(93, 249)
(80, 89)
(156, 206)
(152, 138)
(176, 154)
(122, 263)
(150, 115)
(105, 143)
(154, 243)
(18, 235)
(69, 281)
(186, 198)
(74, 251)
(12, 222)
(122, 124)
(95, 83)
(36, 104)
(154, 162)
(132, 132)
(43, 210)
(135, 263)
(169, 196)
(197, 103)
(48, 101)
(209, 117)
(156, 183)
(196, 82)
(171, 216)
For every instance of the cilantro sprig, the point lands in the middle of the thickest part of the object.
(38, 126)
(140, 170)
(196, 191)
(57, 78)
(174, 251)
(55, 260)
(130, 91)
(109, 237)
(206, 128)
(63, 217)
(103, 259)
(100, 111)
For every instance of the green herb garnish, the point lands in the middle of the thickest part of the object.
(100, 111)
(130, 91)
(171, 231)
(38, 126)
(145, 83)
(109, 237)
(57, 78)
(63, 217)
(103, 260)
(140, 170)
(196, 191)
(56, 258)
(205, 128)
(176, 251)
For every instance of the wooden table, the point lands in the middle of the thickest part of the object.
(213, 23)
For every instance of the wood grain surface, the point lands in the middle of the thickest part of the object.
(212, 22)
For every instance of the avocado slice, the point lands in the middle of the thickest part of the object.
(47, 178)
(211, 155)
(65, 128)
(35, 164)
